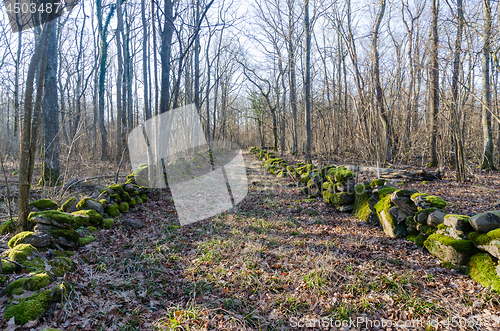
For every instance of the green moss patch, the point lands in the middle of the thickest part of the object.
(30, 308)
(19, 238)
(385, 191)
(435, 201)
(57, 218)
(44, 204)
(61, 265)
(124, 207)
(144, 197)
(94, 218)
(34, 282)
(107, 223)
(112, 211)
(377, 183)
(86, 240)
(24, 254)
(482, 269)
(7, 227)
(67, 205)
(461, 246)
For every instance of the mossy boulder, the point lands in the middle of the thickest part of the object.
(132, 203)
(24, 254)
(402, 199)
(458, 222)
(138, 201)
(112, 211)
(58, 218)
(7, 227)
(107, 223)
(44, 204)
(116, 188)
(61, 265)
(384, 191)
(362, 194)
(69, 206)
(393, 227)
(38, 240)
(33, 282)
(94, 218)
(90, 204)
(450, 250)
(422, 215)
(124, 207)
(86, 240)
(144, 197)
(64, 237)
(341, 199)
(125, 197)
(489, 242)
(483, 270)
(450, 232)
(436, 218)
(377, 183)
(485, 222)
(30, 308)
(424, 201)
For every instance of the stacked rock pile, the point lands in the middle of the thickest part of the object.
(467, 244)
(43, 254)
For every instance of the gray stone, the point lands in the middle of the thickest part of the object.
(486, 222)
(401, 198)
(447, 253)
(133, 223)
(436, 218)
(452, 232)
(397, 214)
(420, 202)
(422, 216)
(129, 188)
(94, 205)
(391, 226)
(458, 222)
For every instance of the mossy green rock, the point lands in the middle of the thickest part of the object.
(424, 201)
(489, 242)
(39, 240)
(482, 269)
(450, 250)
(112, 211)
(458, 222)
(422, 215)
(7, 227)
(144, 197)
(61, 265)
(341, 199)
(132, 203)
(125, 197)
(30, 308)
(69, 206)
(58, 218)
(107, 223)
(124, 207)
(417, 239)
(86, 240)
(33, 282)
(362, 209)
(394, 228)
(377, 183)
(44, 204)
(24, 254)
(94, 218)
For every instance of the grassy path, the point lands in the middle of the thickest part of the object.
(273, 263)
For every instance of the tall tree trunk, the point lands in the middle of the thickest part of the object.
(119, 77)
(30, 126)
(51, 168)
(197, 60)
(293, 92)
(455, 120)
(487, 162)
(308, 81)
(379, 97)
(434, 84)
(147, 108)
(166, 48)
(17, 109)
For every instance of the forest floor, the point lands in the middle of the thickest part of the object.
(274, 262)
